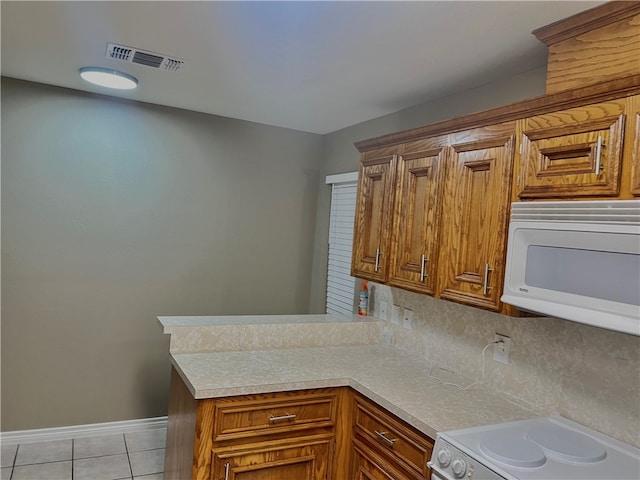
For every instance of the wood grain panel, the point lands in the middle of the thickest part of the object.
(368, 465)
(416, 227)
(181, 426)
(374, 214)
(305, 458)
(604, 54)
(203, 441)
(592, 46)
(475, 216)
(188, 449)
(252, 416)
(343, 435)
(560, 152)
(408, 450)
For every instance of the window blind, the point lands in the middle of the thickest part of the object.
(340, 284)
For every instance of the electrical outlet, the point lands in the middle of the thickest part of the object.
(501, 350)
(383, 310)
(395, 314)
(407, 317)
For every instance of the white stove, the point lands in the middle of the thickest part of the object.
(549, 448)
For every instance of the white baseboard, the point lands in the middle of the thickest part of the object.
(79, 431)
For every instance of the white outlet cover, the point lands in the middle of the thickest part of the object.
(501, 352)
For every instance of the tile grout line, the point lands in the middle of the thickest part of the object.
(73, 459)
(13, 464)
(126, 448)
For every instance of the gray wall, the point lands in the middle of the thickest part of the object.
(114, 212)
(340, 155)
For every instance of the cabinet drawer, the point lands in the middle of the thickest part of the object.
(255, 415)
(391, 437)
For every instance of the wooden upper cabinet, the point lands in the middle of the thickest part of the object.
(475, 215)
(581, 140)
(373, 216)
(417, 219)
(573, 153)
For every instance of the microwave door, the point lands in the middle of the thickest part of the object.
(585, 273)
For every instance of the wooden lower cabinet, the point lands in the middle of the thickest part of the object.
(319, 434)
(305, 459)
(366, 464)
(388, 442)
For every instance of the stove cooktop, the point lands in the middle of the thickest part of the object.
(552, 448)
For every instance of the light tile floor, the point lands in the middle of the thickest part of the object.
(137, 456)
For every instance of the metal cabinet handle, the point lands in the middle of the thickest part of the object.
(485, 283)
(598, 155)
(226, 471)
(422, 265)
(377, 259)
(282, 418)
(383, 436)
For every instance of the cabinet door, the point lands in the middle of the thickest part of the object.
(417, 220)
(303, 460)
(374, 203)
(573, 153)
(475, 215)
(390, 438)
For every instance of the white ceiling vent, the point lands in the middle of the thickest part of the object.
(142, 57)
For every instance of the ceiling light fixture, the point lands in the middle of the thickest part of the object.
(109, 78)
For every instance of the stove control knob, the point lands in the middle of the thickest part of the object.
(444, 457)
(459, 467)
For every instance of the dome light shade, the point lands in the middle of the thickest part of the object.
(109, 78)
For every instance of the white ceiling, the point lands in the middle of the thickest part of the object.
(311, 66)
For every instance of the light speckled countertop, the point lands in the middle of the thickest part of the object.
(395, 380)
(266, 332)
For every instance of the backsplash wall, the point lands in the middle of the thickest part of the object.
(587, 374)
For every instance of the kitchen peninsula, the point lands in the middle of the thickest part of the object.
(298, 393)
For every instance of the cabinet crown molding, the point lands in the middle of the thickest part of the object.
(600, 92)
(586, 21)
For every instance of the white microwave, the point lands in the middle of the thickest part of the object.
(577, 260)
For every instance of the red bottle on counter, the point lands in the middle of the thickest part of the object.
(363, 304)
